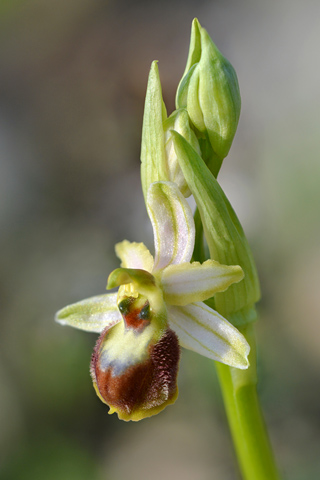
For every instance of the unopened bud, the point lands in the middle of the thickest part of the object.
(153, 156)
(178, 121)
(209, 91)
(158, 158)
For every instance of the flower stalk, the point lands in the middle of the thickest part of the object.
(245, 418)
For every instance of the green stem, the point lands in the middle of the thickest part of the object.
(245, 417)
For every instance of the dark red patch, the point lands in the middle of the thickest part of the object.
(135, 318)
(145, 385)
(95, 354)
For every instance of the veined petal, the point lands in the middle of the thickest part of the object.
(204, 331)
(187, 283)
(173, 224)
(134, 255)
(92, 315)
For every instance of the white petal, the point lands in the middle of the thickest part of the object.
(92, 315)
(134, 255)
(204, 331)
(186, 283)
(173, 224)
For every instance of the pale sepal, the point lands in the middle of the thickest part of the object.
(204, 331)
(173, 224)
(187, 283)
(91, 315)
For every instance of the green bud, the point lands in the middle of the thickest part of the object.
(209, 91)
(153, 156)
(158, 158)
(178, 121)
(225, 237)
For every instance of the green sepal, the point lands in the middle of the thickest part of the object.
(194, 53)
(153, 156)
(223, 232)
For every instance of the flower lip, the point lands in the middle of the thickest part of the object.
(134, 371)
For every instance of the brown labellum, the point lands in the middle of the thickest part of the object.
(141, 389)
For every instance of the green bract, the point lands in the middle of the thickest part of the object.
(225, 237)
(209, 91)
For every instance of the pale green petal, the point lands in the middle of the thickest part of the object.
(173, 224)
(187, 283)
(92, 315)
(204, 331)
(134, 255)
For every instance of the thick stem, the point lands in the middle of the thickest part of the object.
(245, 417)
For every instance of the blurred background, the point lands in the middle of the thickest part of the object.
(73, 80)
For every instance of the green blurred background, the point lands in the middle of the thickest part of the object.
(73, 79)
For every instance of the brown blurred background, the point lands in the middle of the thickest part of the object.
(72, 85)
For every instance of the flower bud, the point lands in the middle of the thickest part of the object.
(178, 121)
(153, 156)
(158, 158)
(209, 91)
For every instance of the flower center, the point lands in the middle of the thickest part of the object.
(127, 290)
(135, 312)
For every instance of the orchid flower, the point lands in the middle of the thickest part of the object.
(158, 307)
